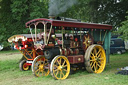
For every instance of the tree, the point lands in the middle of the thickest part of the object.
(5, 19)
(123, 30)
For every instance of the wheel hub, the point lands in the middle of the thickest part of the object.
(60, 68)
(41, 67)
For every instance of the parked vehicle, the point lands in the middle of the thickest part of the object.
(117, 46)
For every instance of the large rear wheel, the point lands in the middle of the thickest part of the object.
(95, 59)
(60, 67)
(40, 66)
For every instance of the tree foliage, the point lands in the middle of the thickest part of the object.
(111, 12)
(15, 13)
(123, 30)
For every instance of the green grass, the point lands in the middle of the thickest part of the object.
(10, 51)
(11, 75)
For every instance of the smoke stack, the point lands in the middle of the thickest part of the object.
(51, 17)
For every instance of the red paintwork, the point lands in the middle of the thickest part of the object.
(70, 24)
(74, 59)
(28, 64)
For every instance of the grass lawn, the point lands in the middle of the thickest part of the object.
(11, 75)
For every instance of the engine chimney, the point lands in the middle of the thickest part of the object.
(51, 17)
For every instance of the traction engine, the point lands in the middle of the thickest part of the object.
(57, 47)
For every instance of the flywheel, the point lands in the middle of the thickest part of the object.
(87, 41)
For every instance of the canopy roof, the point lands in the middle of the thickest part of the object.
(68, 24)
(15, 38)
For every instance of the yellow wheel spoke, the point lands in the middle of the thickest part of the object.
(92, 54)
(38, 73)
(99, 55)
(56, 70)
(58, 62)
(101, 58)
(95, 51)
(93, 65)
(86, 45)
(64, 70)
(62, 73)
(92, 60)
(99, 62)
(57, 73)
(55, 65)
(98, 52)
(37, 70)
(99, 65)
(45, 73)
(63, 63)
(88, 37)
(45, 64)
(64, 66)
(96, 66)
(84, 42)
(85, 38)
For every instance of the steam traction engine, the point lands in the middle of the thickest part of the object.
(56, 47)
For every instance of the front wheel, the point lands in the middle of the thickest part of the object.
(40, 66)
(23, 66)
(60, 67)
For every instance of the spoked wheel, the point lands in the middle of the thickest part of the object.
(40, 66)
(87, 41)
(60, 67)
(95, 59)
(23, 66)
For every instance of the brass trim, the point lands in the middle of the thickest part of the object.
(71, 51)
(60, 51)
(65, 51)
(45, 35)
(49, 34)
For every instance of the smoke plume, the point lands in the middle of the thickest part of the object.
(59, 6)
